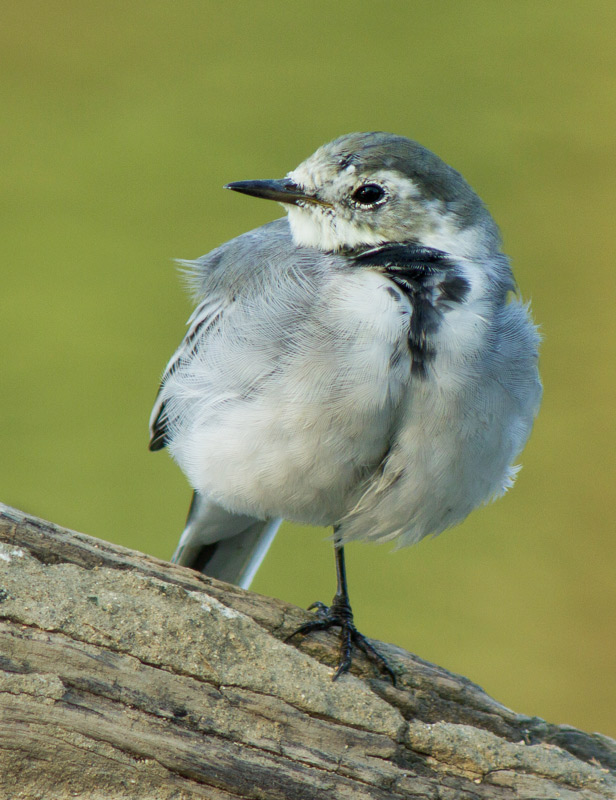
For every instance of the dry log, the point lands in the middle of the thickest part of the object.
(122, 676)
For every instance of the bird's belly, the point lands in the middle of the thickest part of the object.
(279, 455)
(303, 442)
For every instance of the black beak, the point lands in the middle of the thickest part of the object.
(284, 191)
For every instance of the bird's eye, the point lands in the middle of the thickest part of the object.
(369, 194)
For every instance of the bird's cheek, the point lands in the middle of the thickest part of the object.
(309, 227)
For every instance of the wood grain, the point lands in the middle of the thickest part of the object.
(122, 676)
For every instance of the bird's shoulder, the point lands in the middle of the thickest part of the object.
(238, 259)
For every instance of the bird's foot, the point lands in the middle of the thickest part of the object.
(340, 614)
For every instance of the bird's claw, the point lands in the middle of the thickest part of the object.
(322, 609)
(339, 614)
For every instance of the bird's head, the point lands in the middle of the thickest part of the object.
(365, 189)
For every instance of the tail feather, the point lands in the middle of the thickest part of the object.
(223, 545)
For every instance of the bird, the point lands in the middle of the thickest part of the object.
(364, 362)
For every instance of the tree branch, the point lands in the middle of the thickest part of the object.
(122, 676)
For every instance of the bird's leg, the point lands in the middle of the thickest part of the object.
(339, 613)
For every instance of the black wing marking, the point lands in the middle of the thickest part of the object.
(158, 431)
(432, 282)
(408, 258)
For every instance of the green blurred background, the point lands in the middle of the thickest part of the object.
(121, 123)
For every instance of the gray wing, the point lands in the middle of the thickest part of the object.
(223, 545)
(213, 279)
(202, 319)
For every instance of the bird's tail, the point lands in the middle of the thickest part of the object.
(224, 545)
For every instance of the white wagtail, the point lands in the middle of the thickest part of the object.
(360, 363)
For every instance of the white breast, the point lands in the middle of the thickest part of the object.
(301, 443)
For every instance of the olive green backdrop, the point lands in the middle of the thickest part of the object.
(121, 121)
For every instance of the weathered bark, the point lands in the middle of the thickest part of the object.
(122, 676)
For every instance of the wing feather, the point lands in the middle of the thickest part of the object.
(201, 322)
